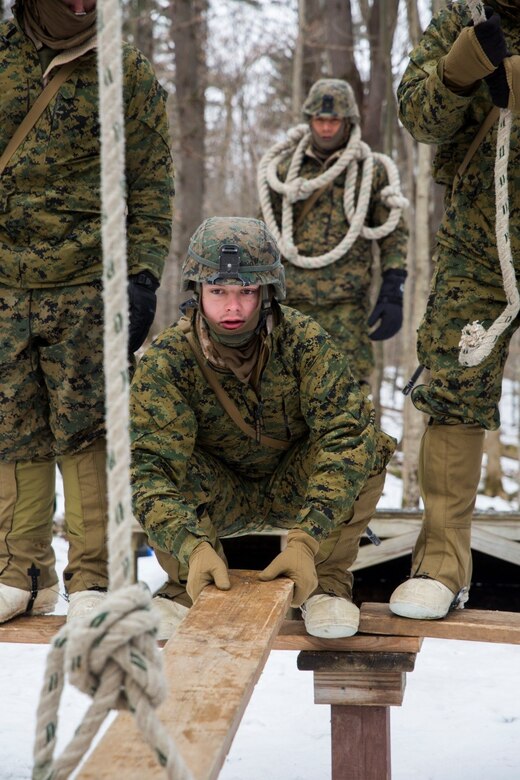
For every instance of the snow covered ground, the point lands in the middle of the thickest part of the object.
(460, 719)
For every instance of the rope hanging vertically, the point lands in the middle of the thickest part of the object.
(476, 342)
(111, 654)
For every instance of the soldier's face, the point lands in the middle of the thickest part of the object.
(229, 305)
(326, 127)
(80, 7)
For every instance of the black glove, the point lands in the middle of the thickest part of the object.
(389, 305)
(142, 303)
(491, 38)
(504, 84)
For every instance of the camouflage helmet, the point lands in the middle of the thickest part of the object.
(331, 97)
(233, 250)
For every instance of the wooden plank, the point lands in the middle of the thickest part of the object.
(360, 743)
(371, 554)
(366, 689)
(36, 630)
(293, 636)
(489, 543)
(346, 661)
(211, 664)
(476, 625)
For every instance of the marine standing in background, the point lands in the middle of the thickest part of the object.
(337, 295)
(51, 308)
(457, 75)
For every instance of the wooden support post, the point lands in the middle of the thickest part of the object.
(360, 687)
(360, 739)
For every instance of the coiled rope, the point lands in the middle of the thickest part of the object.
(476, 342)
(295, 188)
(111, 654)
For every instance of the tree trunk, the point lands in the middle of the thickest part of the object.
(189, 36)
(379, 109)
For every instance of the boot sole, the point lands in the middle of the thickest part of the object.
(416, 612)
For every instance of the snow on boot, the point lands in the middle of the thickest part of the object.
(83, 602)
(330, 617)
(422, 598)
(170, 613)
(14, 601)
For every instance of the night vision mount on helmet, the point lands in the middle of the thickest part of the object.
(233, 250)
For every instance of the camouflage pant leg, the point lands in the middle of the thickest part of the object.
(346, 322)
(224, 503)
(51, 371)
(462, 291)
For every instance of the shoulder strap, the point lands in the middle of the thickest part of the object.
(227, 404)
(36, 110)
(486, 125)
(309, 203)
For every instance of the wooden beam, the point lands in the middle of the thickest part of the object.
(476, 625)
(365, 689)
(293, 636)
(370, 554)
(491, 544)
(41, 629)
(212, 664)
(31, 630)
(360, 743)
(347, 661)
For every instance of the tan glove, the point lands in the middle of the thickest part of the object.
(512, 68)
(465, 63)
(297, 563)
(204, 568)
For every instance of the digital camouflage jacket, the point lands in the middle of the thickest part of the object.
(348, 279)
(50, 208)
(435, 115)
(307, 390)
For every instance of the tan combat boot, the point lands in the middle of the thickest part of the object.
(86, 524)
(28, 580)
(329, 612)
(449, 473)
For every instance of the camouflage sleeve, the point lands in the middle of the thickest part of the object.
(341, 423)
(393, 247)
(149, 167)
(163, 431)
(428, 109)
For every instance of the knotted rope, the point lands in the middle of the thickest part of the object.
(294, 188)
(112, 653)
(476, 342)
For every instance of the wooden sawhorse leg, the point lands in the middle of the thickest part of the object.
(360, 687)
(360, 741)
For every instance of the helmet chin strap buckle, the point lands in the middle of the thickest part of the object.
(229, 266)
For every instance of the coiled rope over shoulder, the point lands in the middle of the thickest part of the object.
(477, 343)
(294, 188)
(111, 654)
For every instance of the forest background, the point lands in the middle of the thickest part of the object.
(237, 73)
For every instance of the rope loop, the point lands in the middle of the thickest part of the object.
(357, 156)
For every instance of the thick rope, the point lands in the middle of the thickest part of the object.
(477, 343)
(112, 653)
(294, 188)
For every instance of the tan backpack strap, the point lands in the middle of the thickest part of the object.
(227, 404)
(309, 203)
(35, 112)
(486, 125)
